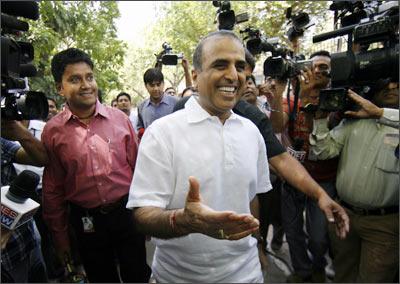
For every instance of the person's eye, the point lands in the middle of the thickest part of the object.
(90, 78)
(74, 80)
(240, 68)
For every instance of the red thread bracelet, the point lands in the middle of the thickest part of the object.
(172, 220)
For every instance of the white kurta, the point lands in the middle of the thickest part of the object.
(230, 162)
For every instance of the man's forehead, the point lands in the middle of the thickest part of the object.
(155, 83)
(321, 59)
(211, 43)
(78, 68)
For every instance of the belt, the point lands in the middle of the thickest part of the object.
(105, 208)
(365, 212)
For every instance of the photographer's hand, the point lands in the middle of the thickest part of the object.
(368, 109)
(309, 94)
(188, 77)
(32, 151)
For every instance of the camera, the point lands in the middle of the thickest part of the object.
(226, 16)
(282, 63)
(17, 101)
(363, 68)
(166, 57)
(284, 68)
(298, 23)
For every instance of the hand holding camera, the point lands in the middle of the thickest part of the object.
(367, 110)
(309, 94)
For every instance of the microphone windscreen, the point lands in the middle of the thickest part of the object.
(23, 186)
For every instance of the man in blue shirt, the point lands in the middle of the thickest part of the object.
(158, 104)
(21, 258)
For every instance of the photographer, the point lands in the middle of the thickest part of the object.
(21, 257)
(295, 137)
(367, 184)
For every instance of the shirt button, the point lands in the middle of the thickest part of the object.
(96, 167)
(88, 129)
(100, 184)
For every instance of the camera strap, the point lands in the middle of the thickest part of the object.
(293, 112)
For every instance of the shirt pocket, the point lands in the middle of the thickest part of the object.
(386, 160)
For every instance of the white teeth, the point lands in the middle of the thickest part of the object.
(227, 89)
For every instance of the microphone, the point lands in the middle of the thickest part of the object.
(16, 206)
(26, 9)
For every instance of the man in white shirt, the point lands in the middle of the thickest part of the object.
(202, 228)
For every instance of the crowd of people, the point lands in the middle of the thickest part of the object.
(204, 173)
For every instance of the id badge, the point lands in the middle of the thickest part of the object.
(88, 226)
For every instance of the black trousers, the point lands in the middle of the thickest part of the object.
(114, 240)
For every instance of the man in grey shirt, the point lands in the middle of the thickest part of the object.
(158, 104)
(367, 185)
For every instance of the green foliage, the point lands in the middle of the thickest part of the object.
(85, 25)
(183, 23)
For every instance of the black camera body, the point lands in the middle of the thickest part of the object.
(285, 68)
(281, 64)
(17, 101)
(362, 69)
(226, 16)
(299, 23)
(167, 57)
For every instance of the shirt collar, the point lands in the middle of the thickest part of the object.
(100, 110)
(197, 113)
(164, 100)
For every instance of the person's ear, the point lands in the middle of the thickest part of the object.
(194, 77)
(59, 89)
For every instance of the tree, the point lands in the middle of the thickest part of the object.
(85, 25)
(183, 23)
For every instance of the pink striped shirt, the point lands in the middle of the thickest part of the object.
(89, 165)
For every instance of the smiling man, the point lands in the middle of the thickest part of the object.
(209, 164)
(92, 153)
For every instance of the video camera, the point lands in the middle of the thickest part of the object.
(226, 16)
(17, 101)
(166, 57)
(281, 64)
(376, 22)
(299, 23)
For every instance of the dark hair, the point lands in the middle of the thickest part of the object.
(252, 78)
(198, 52)
(172, 88)
(193, 89)
(321, 53)
(53, 100)
(153, 75)
(66, 57)
(122, 94)
(249, 59)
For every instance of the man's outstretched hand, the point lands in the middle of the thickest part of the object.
(199, 218)
(335, 214)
